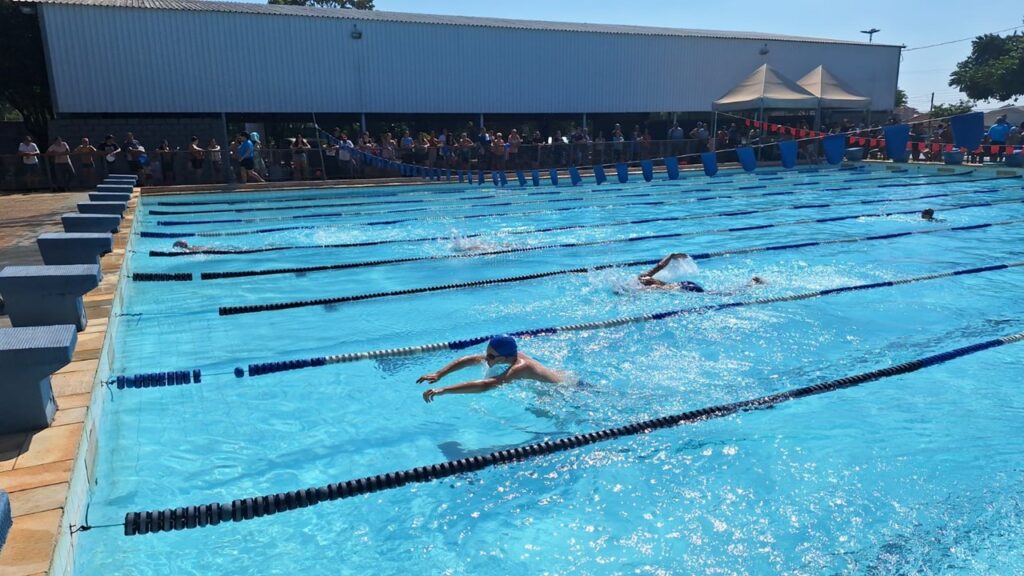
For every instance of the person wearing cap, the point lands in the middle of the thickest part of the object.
(505, 363)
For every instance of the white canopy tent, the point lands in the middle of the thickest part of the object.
(831, 93)
(768, 89)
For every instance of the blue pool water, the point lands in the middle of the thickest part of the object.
(922, 473)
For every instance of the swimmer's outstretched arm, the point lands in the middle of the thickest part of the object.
(453, 366)
(664, 262)
(471, 387)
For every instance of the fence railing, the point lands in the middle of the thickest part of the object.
(321, 162)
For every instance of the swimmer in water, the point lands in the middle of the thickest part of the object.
(928, 215)
(647, 279)
(182, 246)
(505, 363)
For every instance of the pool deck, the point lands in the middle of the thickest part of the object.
(35, 467)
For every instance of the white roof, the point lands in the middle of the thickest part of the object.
(380, 16)
(831, 91)
(766, 88)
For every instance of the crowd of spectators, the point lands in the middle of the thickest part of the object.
(245, 159)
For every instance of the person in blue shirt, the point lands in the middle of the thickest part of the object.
(246, 159)
(999, 131)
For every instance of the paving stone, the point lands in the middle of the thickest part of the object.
(35, 476)
(40, 499)
(30, 543)
(51, 445)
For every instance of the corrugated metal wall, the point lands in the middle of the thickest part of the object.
(107, 60)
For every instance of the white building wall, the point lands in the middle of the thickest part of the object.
(123, 60)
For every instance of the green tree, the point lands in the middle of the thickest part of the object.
(946, 110)
(994, 70)
(24, 84)
(356, 4)
(901, 98)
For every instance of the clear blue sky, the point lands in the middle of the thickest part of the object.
(912, 23)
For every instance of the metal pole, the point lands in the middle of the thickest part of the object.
(225, 148)
(481, 120)
(362, 122)
(320, 149)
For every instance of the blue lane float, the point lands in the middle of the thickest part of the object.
(281, 366)
(441, 257)
(431, 211)
(238, 510)
(327, 301)
(343, 266)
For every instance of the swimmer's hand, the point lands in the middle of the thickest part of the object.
(430, 379)
(429, 393)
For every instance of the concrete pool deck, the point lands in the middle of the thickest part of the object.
(35, 467)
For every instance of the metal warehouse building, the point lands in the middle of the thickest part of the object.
(163, 60)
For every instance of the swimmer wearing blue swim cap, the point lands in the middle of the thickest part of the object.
(505, 363)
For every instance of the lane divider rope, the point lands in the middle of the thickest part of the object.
(343, 245)
(504, 195)
(262, 368)
(189, 517)
(252, 308)
(784, 193)
(698, 256)
(166, 223)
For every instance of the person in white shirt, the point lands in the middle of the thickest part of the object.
(63, 171)
(344, 151)
(28, 152)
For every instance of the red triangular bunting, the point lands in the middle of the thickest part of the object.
(747, 122)
(949, 147)
(936, 148)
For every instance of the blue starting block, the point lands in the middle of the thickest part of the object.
(109, 196)
(5, 517)
(90, 222)
(102, 208)
(28, 356)
(45, 295)
(74, 248)
(119, 188)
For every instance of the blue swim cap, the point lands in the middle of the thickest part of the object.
(504, 346)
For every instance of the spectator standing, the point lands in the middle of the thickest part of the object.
(345, 148)
(634, 142)
(300, 158)
(246, 158)
(675, 138)
(110, 151)
(86, 153)
(499, 152)
(538, 146)
(28, 152)
(331, 154)
(133, 151)
(196, 156)
(599, 144)
(465, 150)
(998, 133)
(406, 147)
(514, 142)
(216, 160)
(63, 170)
(618, 145)
(166, 155)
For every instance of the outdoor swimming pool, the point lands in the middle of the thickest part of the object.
(920, 473)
